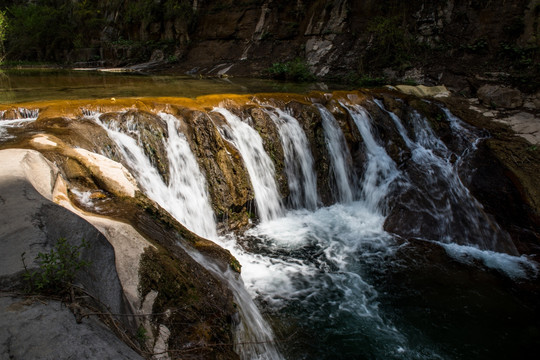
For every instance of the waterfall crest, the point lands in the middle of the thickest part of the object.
(185, 197)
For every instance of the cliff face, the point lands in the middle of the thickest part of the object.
(424, 41)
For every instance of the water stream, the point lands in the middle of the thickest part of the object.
(259, 165)
(19, 119)
(340, 156)
(322, 282)
(298, 161)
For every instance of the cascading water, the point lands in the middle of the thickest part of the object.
(380, 170)
(185, 197)
(310, 264)
(319, 274)
(258, 164)
(298, 160)
(340, 156)
(20, 118)
(311, 269)
(436, 192)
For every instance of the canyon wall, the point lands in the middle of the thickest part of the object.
(458, 43)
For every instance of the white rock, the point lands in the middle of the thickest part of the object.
(117, 177)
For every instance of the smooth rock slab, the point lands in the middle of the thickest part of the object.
(525, 124)
(37, 330)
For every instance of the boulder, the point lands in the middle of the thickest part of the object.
(500, 96)
(424, 91)
(33, 224)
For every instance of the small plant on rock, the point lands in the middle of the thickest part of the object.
(295, 70)
(57, 268)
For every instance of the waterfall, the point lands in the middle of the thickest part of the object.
(298, 160)
(437, 193)
(188, 184)
(380, 170)
(339, 154)
(20, 118)
(254, 336)
(258, 164)
(185, 197)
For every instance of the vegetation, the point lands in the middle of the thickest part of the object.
(45, 30)
(295, 70)
(3, 33)
(392, 45)
(57, 268)
(49, 30)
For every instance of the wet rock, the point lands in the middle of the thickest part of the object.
(532, 102)
(500, 96)
(228, 181)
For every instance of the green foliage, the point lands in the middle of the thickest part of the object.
(141, 336)
(172, 59)
(477, 47)
(391, 44)
(175, 9)
(57, 268)
(141, 11)
(410, 82)
(295, 70)
(4, 27)
(521, 56)
(364, 80)
(44, 30)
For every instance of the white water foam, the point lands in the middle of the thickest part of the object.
(515, 267)
(24, 116)
(456, 215)
(380, 170)
(186, 199)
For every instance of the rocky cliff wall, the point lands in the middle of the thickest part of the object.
(458, 42)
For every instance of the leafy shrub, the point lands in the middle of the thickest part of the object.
(57, 268)
(296, 70)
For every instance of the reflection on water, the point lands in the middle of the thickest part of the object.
(46, 84)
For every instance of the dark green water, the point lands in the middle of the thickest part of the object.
(46, 84)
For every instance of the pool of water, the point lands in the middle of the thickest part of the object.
(49, 84)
